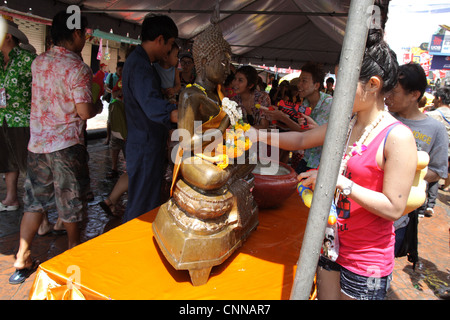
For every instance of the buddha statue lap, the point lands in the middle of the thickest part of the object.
(211, 210)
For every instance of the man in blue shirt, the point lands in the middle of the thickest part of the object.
(148, 116)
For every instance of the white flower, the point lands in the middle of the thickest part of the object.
(232, 110)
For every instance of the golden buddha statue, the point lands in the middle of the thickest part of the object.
(211, 210)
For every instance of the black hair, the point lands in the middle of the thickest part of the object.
(120, 64)
(330, 80)
(275, 83)
(383, 5)
(156, 25)
(444, 94)
(412, 77)
(316, 70)
(229, 79)
(379, 60)
(251, 74)
(60, 32)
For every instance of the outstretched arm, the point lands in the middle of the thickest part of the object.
(293, 140)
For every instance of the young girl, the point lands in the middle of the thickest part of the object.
(249, 98)
(376, 175)
(169, 74)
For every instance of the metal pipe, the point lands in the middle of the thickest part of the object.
(248, 12)
(349, 69)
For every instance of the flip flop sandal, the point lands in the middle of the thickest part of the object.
(4, 207)
(59, 232)
(44, 234)
(19, 276)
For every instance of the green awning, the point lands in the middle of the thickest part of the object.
(115, 37)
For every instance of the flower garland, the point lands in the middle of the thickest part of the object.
(359, 147)
(236, 142)
(232, 110)
(197, 86)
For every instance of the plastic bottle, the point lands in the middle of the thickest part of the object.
(306, 194)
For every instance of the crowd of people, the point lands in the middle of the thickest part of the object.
(44, 105)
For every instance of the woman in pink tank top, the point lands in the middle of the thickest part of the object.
(377, 174)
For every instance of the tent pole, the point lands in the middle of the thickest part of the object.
(349, 68)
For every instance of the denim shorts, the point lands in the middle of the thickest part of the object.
(356, 286)
(59, 178)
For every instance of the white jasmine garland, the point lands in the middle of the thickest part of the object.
(232, 110)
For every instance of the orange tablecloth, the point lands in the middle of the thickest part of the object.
(126, 263)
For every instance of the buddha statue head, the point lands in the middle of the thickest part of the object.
(212, 56)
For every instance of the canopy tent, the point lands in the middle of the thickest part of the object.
(285, 33)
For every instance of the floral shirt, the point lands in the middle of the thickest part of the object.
(320, 114)
(262, 99)
(16, 79)
(60, 80)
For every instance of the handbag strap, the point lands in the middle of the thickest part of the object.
(443, 116)
(393, 125)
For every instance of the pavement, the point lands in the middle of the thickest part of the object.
(429, 281)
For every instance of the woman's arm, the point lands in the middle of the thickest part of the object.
(294, 140)
(399, 168)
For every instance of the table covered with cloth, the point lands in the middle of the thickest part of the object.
(126, 263)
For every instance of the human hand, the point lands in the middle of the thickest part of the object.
(276, 114)
(308, 178)
(307, 122)
(169, 91)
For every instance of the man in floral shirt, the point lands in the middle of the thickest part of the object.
(309, 86)
(15, 102)
(57, 170)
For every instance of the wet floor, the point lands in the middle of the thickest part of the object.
(430, 280)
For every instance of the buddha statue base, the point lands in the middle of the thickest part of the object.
(197, 242)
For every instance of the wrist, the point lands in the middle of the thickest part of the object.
(345, 185)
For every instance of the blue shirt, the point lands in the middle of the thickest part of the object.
(148, 123)
(148, 114)
(167, 76)
(320, 114)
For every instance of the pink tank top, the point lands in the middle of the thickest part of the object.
(366, 241)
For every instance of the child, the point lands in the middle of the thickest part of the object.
(169, 74)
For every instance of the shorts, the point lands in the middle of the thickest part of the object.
(117, 144)
(356, 286)
(59, 178)
(14, 146)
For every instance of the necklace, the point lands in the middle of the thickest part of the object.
(358, 147)
(198, 86)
